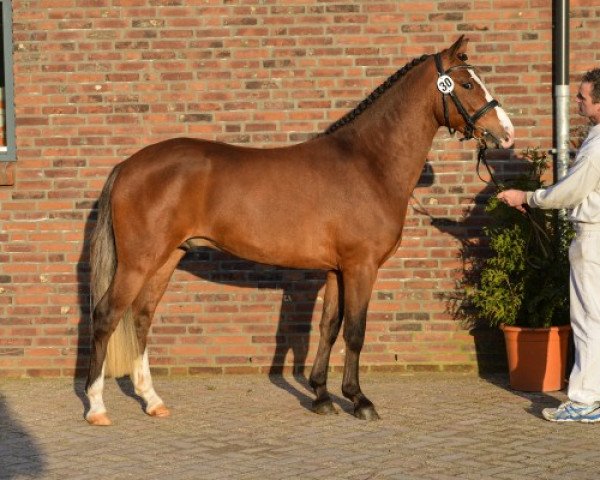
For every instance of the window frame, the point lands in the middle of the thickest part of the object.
(8, 153)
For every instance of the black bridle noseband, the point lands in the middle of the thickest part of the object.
(446, 88)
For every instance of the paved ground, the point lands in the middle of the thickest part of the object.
(434, 426)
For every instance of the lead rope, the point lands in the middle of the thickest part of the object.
(539, 234)
(481, 158)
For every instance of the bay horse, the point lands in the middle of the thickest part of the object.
(336, 202)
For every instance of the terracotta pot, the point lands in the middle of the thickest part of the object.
(537, 357)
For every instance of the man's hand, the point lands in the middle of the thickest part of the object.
(514, 198)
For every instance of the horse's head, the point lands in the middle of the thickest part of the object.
(466, 104)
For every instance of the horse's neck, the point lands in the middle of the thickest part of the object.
(398, 131)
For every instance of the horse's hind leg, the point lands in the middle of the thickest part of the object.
(331, 320)
(122, 291)
(358, 285)
(143, 310)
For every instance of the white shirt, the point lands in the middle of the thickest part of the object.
(579, 190)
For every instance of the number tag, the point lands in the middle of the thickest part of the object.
(445, 84)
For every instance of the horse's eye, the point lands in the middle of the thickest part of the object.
(467, 85)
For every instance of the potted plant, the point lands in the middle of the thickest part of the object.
(523, 286)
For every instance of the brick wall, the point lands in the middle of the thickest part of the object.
(95, 80)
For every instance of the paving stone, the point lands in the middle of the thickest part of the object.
(434, 426)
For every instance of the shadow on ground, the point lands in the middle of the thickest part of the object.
(20, 455)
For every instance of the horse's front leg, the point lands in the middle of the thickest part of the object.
(329, 327)
(358, 285)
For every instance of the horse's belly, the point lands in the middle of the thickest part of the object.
(292, 251)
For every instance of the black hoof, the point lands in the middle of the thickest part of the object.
(324, 407)
(366, 413)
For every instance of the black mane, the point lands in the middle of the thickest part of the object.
(374, 95)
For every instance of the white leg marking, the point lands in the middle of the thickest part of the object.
(94, 395)
(142, 381)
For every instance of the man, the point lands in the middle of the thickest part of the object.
(579, 191)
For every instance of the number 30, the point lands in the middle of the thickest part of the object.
(445, 84)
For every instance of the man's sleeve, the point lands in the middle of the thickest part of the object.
(571, 190)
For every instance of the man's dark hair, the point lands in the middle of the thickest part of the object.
(593, 77)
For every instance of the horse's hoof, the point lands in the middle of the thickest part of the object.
(98, 420)
(366, 413)
(324, 408)
(159, 411)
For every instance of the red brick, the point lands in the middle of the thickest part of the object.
(103, 82)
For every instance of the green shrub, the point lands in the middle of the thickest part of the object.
(525, 281)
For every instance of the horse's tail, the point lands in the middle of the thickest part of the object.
(122, 347)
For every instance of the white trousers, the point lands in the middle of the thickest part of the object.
(584, 258)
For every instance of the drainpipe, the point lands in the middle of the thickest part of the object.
(560, 74)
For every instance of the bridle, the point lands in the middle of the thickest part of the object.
(446, 88)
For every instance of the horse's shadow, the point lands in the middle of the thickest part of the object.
(83, 292)
(299, 300)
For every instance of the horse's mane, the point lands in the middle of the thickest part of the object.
(374, 95)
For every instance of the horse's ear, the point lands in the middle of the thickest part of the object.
(459, 47)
